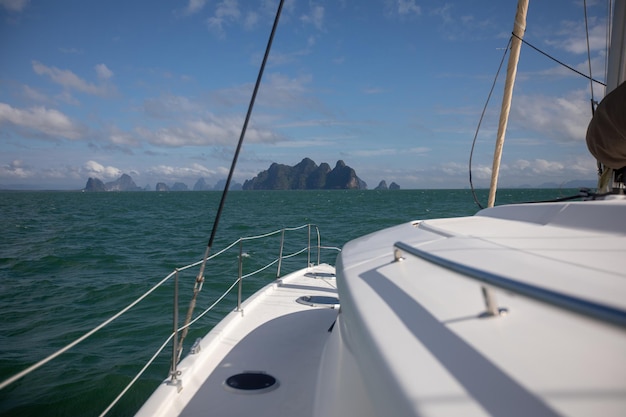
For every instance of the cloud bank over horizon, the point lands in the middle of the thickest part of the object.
(162, 96)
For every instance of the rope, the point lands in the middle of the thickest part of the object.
(200, 277)
(482, 115)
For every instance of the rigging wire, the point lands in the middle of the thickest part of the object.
(593, 102)
(588, 77)
(200, 277)
(607, 41)
(482, 115)
(560, 62)
(602, 173)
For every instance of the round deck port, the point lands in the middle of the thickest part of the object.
(251, 382)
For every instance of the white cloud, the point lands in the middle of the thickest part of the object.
(48, 122)
(542, 166)
(315, 17)
(277, 91)
(57, 173)
(521, 164)
(316, 142)
(95, 169)
(194, 171)
(103, 72)
(194, 6)
(564, 119)
(70, 80)
(251, 20)
(34, 95)
(419, 150)
(280, 90)
(574, 38)
(121, 138)
(480, 172)
(444, 13)
(211, 130)
(168, 106)
(537, 166)
(405, 7)
(583, 165)
(453, 168)
(14, 5)
(16, 170)
(67, 97)
(228, 9)
(226, 12)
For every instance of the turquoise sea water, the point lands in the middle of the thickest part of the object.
(70, 260)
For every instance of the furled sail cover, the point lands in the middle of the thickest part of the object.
(606, 134)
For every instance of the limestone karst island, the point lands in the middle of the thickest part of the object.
(306, 175)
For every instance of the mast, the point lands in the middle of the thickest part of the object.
(616, 71)
(611, 178)
(519, 27)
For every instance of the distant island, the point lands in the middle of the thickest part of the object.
(126, 183)
(383, 186)
(123, 183)
(306, 175)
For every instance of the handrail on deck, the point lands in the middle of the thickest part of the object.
(601, 312)
(173, 336)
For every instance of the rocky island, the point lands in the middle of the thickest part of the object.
(383, 186)
(123, 183)
(306, 175)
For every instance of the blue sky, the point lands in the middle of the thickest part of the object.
(159, 90)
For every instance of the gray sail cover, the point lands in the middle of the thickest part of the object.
(606, 134)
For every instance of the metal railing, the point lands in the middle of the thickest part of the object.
(601, 312)
(176, 349)
(175, 358)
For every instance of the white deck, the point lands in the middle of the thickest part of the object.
(419, 325)
(275, 335)
(411, 338)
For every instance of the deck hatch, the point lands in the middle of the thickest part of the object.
(254, 382)
(319, 274)
(319, 301)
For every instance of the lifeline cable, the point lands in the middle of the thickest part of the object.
(200, 277)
